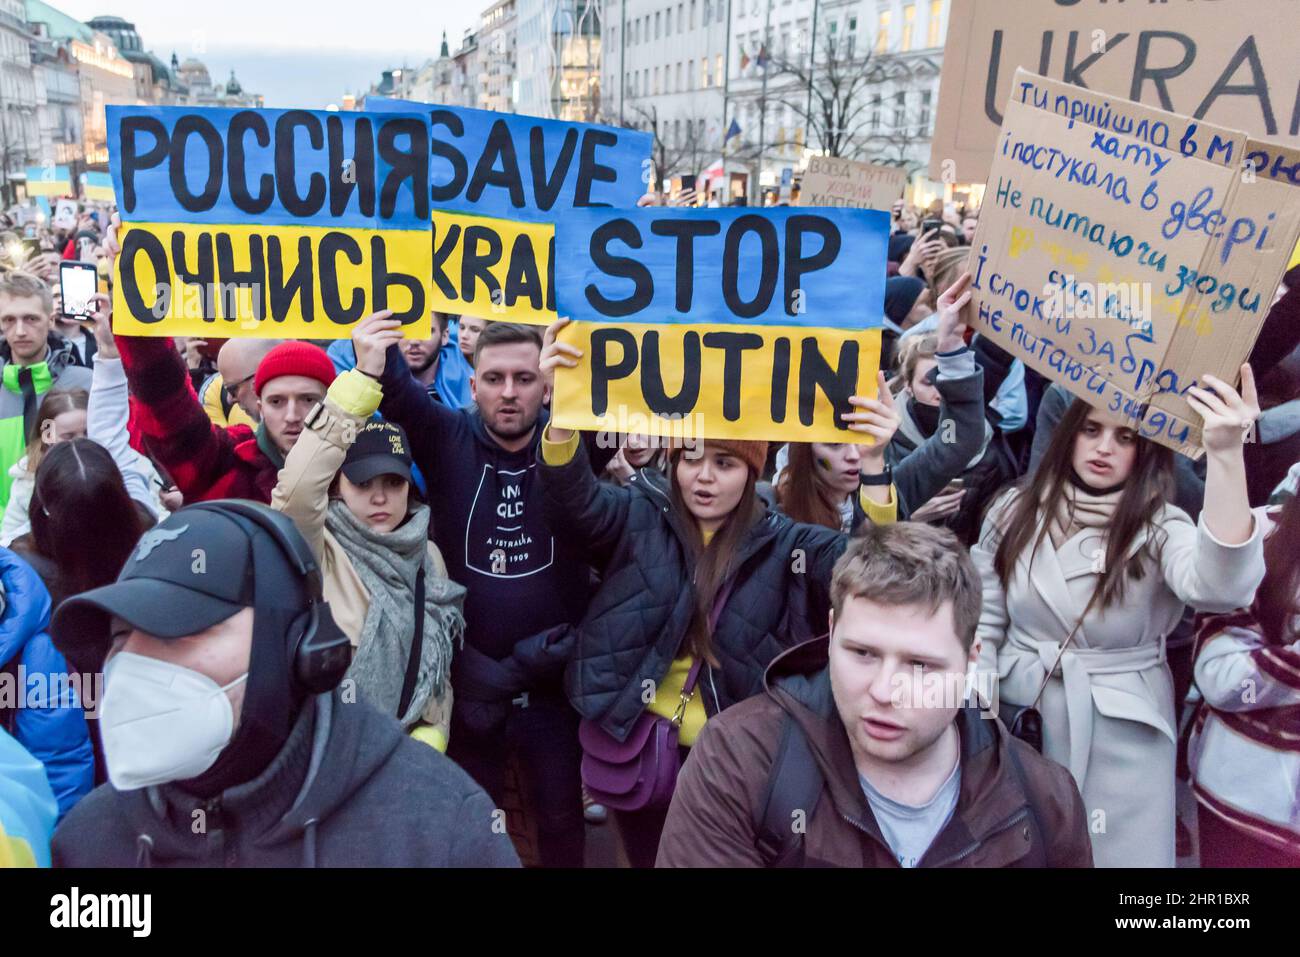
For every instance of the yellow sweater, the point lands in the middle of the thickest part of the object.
(668, 694)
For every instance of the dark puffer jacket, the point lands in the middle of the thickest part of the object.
(636, 622)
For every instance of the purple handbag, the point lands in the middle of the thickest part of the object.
(640, 772)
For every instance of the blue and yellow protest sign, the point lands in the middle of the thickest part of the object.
(48, 181)
(498, 184)
(97, 187)
(726, 323)
(269, 223)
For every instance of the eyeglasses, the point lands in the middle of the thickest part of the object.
(230, 389)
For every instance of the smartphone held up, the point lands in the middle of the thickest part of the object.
(78, 283)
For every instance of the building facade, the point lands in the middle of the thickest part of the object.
(58, 95)
(874, 69)
(558, 46)
(498, 41)
(20, 133)
(201, 90)
(154, 81)
(663, 71)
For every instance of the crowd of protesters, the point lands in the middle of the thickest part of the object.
(362, 603)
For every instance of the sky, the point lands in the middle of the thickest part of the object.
(295, 54)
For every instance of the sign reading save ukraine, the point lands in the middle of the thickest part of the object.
(499, 183)
(720, 323)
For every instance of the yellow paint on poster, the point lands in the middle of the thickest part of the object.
(715, 380)
(493, 268)
(275, 282)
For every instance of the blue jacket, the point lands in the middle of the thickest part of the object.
(452, 380)
(50, 724)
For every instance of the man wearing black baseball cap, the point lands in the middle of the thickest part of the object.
(227, 737)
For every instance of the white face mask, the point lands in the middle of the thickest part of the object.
(160, 721)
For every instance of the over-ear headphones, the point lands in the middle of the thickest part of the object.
(319, 652)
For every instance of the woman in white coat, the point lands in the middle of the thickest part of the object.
(1086, 569)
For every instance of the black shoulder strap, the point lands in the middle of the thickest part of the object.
(794, 784)
(9, 674)
(1039, 849)
(417, 648)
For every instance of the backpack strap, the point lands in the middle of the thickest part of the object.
(1035, 819)
(794, 784)
(417, 648)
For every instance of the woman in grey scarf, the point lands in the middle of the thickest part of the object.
(347, 486)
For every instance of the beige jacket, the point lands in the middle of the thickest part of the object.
(1109, 710)
(302, 493)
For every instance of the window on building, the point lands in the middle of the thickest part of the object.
(852, 38)
(909, 21)
(704, 73)
(657, 25)
(718, 72)
(668, 22)
(692, 14)
(656, 86)
(681, 18)
(933, 37)
(900, 108)
(882, 31)
(708, 11)
(875, 113)
(923, 118)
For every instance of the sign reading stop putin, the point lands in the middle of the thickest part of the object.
(754, 324)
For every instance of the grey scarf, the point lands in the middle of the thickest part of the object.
(387, 563)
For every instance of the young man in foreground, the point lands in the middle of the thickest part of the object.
(862, 753)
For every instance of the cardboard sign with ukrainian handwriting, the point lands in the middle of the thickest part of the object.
(269, 223)
(720, 323)
(1127, 265)
(498, 183)
(1231, 62)
(832, 181)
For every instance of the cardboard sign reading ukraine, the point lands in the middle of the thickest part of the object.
(269, 223)
(498, 184)
(720, 323)
(1126, 266)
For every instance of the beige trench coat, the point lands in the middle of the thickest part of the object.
(302, 493)
(1108, 710)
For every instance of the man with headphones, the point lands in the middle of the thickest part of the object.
(229, 734)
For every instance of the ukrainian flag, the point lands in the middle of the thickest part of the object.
(97, 187)
(48, 181)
